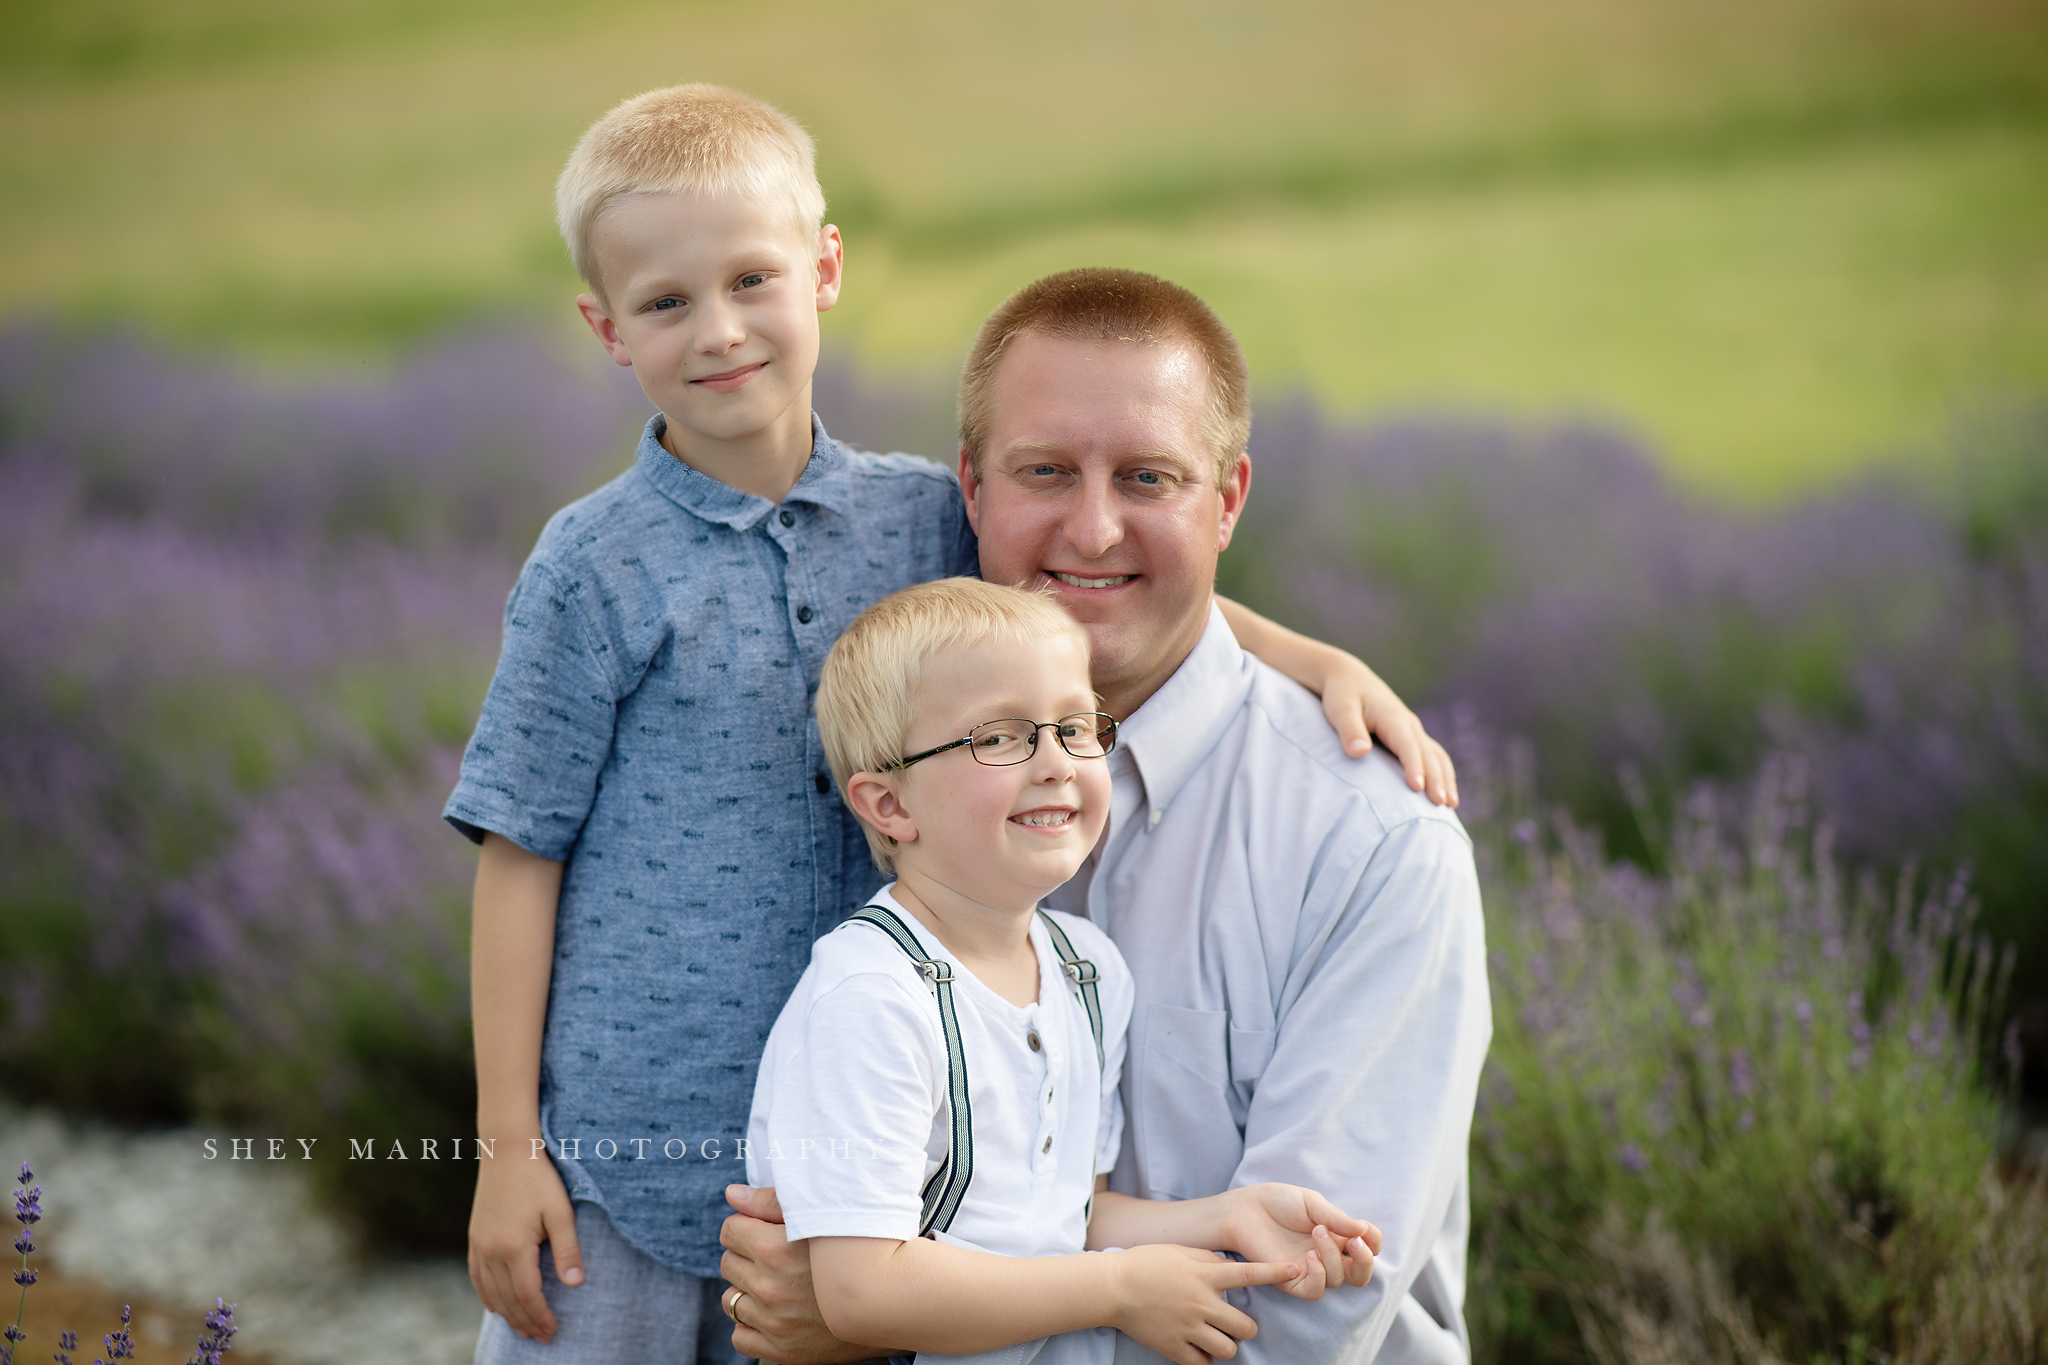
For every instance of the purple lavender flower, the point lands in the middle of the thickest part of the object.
(1633, 1158)
(67, 1342)
(120, 1345)
(220, 1329)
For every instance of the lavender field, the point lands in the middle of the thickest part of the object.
(1762, 803)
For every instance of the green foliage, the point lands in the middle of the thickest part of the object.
(1768, 1075)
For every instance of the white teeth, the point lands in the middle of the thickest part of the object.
(1043, 817)
(1080, 582)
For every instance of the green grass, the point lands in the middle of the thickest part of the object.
(1775, 238)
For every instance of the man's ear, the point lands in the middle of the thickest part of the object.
(1235, 490)
(970, 488)
(874, 798)
(607, 331)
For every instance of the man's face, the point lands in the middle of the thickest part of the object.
(1099, 484)
(714, 302)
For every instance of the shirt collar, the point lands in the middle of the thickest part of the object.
(1172, 733)
(826, 480)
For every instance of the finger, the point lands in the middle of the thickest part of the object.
(755, 1202)
(503, 1278)
(1243, 1274)
(1373, 1240)
(1340, 1223)
(1232, 1323)
(1347, 717)
(1213, 1345)
(1358, 1259)
(750, 1344)
(1330, 1250)
(1309, 1286)
(1450, 772)
(560, 1227)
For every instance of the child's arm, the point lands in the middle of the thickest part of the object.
(520, 1200)
(1263, 1223)
(924, 1295)
(1357, 702)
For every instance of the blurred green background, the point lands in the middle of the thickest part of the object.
(1777, 240)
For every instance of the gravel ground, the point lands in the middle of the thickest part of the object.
(148, 1214)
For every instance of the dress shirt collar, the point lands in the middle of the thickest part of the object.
(824, 483)
(1170, 735)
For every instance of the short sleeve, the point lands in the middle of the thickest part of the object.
(530, 771)
(850, 1111)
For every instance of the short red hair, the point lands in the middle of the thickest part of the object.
(1097, 304)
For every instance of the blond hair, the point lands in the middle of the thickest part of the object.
(686, 139)
(870, 679)
(1098, 304)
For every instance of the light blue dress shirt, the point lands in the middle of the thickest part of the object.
(1305, 937)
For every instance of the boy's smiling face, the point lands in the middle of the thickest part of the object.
(714, 301)
(1004, 836)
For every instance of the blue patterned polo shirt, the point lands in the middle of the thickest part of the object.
(650, 725)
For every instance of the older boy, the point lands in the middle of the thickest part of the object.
(661, 839)
(948, 1063)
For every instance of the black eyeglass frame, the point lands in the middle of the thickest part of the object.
(1106, 730)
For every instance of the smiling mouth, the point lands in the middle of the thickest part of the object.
(1076, 581)
(731, 379)
(1044, 819)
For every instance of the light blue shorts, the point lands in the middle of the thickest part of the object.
(630, 1307)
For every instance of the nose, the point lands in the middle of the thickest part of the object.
(1049, 762)
(718, 328)
(1094, 524)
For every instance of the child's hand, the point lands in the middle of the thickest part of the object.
(1274, 1222)
(1173, 1300)
(1356, 702)
(521, 1203)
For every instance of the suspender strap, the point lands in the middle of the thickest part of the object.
(948, 1185)
(1081, 975)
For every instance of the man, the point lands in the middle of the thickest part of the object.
(1304, 931)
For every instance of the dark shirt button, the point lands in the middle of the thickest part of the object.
(804, 614)
(1048, 1144)
(789, 518)
(1032, 1039)
(823, 783)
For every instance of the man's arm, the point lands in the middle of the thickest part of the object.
(1356, 701)
(1379, 1121)
(520, 1201)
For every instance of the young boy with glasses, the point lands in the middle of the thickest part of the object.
(942, 1085)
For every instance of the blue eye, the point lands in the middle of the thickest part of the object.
(663, 305)
(1146, 476)
(749, 281)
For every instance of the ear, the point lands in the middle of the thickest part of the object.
(970, 489)
(874, 798)
(1235, 490)
(831, 266)
(606, 330)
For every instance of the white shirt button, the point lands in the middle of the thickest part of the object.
(1154, 821)
(1048, 1144)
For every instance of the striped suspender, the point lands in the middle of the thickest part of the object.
(1081, 975)
(948, 1185)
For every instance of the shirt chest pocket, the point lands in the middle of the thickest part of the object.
(1189, 1141)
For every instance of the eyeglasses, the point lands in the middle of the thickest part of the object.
(1000, 743)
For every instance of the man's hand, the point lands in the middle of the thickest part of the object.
(1173, 1300)
(779, 1318)
(1274, 1222)
(519, 1205)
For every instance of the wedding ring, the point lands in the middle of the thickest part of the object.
(732, 1306)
